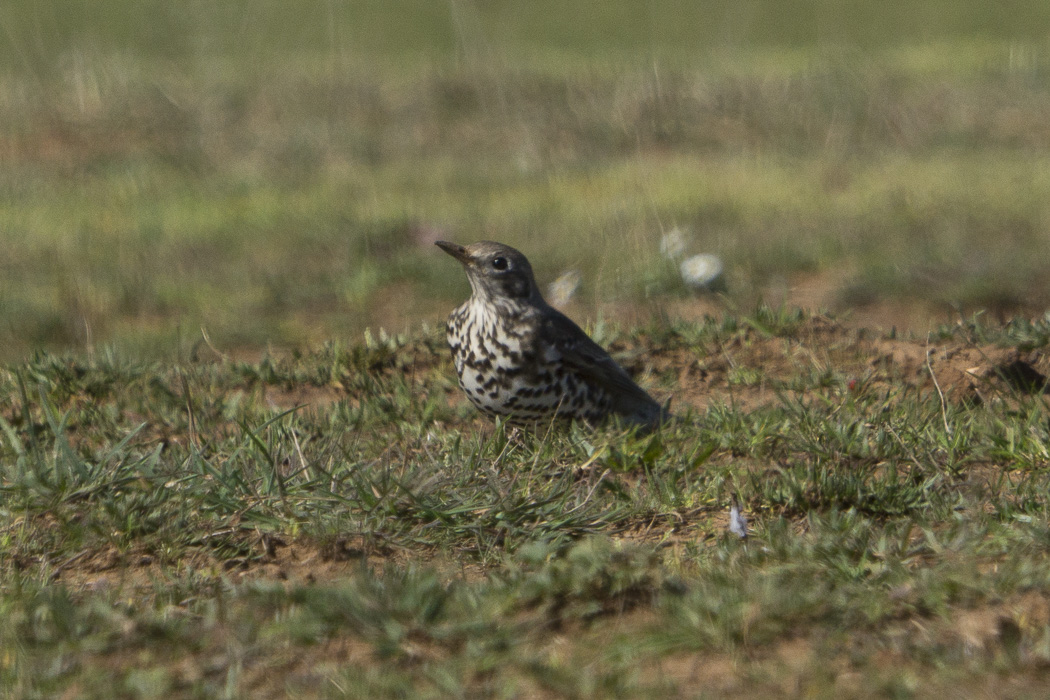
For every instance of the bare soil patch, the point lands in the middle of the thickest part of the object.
(753, 368)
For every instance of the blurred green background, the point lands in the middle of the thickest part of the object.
(274, 173)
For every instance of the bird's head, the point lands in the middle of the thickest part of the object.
(496, 271)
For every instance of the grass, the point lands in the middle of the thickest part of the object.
(339, 523)
(155, 163)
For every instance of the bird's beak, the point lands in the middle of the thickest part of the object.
(455, 250)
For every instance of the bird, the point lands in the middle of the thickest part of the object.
(518, 358)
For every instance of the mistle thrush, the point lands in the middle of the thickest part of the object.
(519, 358)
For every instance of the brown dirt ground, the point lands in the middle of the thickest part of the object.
(748, 369)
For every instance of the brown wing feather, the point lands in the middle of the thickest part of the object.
(594, 364)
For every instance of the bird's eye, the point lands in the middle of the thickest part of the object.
(499, 263)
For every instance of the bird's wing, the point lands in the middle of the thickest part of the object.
(592, 362)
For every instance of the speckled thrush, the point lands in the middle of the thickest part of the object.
(519, 358)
